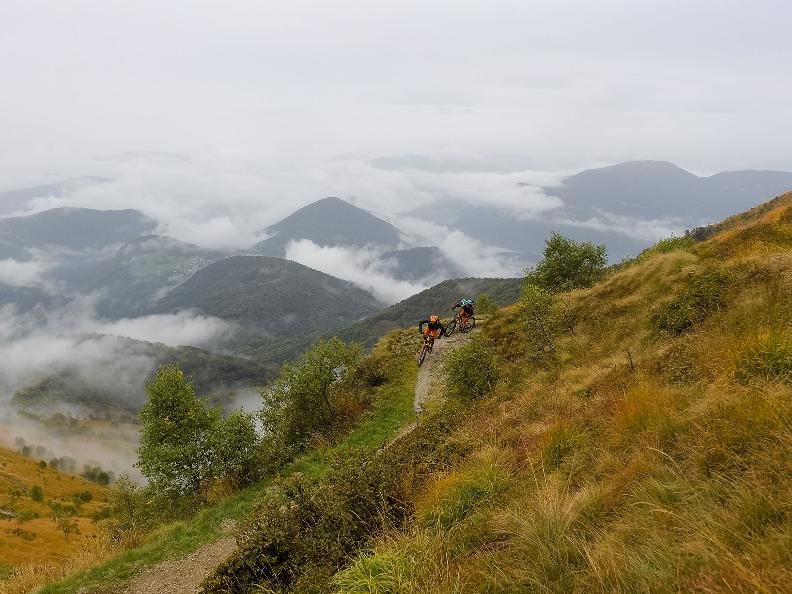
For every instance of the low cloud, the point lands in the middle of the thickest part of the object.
(477, 259)
(39, 343)
(645, 230)
(365, 267)
(184, 328)
(472, 257)
(29, 273)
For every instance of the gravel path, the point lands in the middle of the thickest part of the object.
(184, 575)
(430, 376)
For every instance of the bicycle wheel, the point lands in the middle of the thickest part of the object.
(422, 356)
(449, 329)
(471, 323)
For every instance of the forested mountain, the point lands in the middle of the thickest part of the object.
(276, 297)
(76, 390)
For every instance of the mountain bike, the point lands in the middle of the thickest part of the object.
(425, 349)
(465, 327)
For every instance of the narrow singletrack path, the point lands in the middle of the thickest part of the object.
(183, 575)
(430, 377)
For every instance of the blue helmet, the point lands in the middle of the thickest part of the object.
(466, 301)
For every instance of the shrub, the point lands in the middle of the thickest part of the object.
(127, 509)
(471, 370)
(703, 295)
(567, 264)
(300, 402)
(538, 308)
(37, 493)
(239, 455)
(768, 360)
(303, 531)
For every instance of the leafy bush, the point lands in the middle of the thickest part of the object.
(299, 404)
(304, 530)
(568, 264)
(703, 295)
(239, 455)
(37, 493)
(471, 370)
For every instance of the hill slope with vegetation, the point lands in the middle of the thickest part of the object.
(246, 289)
(625, 429)
(437, 299)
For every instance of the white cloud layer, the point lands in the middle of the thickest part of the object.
(29, 273)
(38, 343)
(365, 267)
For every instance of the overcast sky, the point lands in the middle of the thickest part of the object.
(200, 106)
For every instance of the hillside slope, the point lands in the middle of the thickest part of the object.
(132, 279)
(30, 534)
(437, 299)
(640, 442)
(276, 296)
(73, 390)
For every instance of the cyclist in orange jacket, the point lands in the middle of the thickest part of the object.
(434, 329)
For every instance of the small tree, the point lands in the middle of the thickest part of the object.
(64, 518)
(568, 264)
(127, 507)
(176, 450)
(538, 304)
(299, 404)
(238, 446)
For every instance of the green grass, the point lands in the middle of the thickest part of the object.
(392, 409)
(170, 541)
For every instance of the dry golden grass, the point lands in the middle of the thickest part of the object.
(86, 552)
(32, 547)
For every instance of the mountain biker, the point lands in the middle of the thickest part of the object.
(466, 309)
(434, 329)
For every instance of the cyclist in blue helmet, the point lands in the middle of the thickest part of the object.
(466, 311)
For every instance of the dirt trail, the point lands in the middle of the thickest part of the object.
(184, 575)
(430, 376)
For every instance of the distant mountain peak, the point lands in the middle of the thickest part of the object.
(330, 221)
